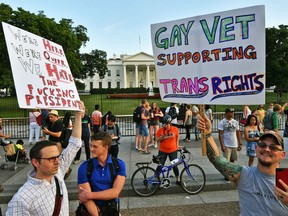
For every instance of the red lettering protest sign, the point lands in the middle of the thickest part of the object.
(40, 70)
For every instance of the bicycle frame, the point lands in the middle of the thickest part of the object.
(146, 180)
(166, 169)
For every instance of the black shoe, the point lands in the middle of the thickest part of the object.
(178, 182)
(67, 174)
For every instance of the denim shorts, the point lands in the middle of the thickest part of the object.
(143, 130)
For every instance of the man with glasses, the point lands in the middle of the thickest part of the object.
(258, 194)
(45, 183)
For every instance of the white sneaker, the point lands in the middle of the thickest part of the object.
(150, 144)
(155, 146)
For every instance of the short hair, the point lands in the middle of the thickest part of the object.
(104, 137)
(35, 151)
(20, 141)
(144, 101)
(277, 107)
(112, 118)
(97, 106)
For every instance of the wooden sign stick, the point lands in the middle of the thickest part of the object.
(203, 136)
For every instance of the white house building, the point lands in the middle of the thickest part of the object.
(126, 72)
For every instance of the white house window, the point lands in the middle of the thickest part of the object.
(109, 73)
(117, 72)
(118, 84)
(91, 85)
(109, 84)
(100, 85)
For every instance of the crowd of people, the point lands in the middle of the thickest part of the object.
(101, 177)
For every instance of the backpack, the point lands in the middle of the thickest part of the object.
(268, 121)
(172, 112)
(114, 168)
(137, 114)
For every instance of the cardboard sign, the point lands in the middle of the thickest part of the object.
(40, 70)
(212, 59)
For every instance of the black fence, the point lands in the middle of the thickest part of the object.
(19, 127)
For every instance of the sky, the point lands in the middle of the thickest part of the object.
(123, 27)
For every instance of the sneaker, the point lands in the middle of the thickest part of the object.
(227, 180)
(76, 161)
(178, 182)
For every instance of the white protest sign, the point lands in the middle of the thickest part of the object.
(41, 73)
(212, 59)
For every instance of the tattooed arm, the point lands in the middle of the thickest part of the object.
(229, 170)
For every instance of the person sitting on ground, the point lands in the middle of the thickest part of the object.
(258, 194)
(95, 191)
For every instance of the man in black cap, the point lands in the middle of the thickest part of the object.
(258, 194)
(229, 136)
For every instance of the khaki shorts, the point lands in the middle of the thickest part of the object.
(231, 154)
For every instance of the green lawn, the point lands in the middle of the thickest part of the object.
(9, 105)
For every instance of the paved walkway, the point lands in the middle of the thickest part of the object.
(12, 180)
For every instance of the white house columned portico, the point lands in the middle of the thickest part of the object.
(127, 72)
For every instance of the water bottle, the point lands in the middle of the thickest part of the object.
(175, 161)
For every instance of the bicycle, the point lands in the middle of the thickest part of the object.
(145, 180)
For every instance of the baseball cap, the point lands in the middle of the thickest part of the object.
(229, 109)
(53, 112)
(275, 136)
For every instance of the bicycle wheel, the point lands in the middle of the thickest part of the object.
(193, 179)
(144, 181)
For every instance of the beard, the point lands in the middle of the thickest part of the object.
(264, 163)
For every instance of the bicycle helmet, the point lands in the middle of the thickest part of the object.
(167, 119)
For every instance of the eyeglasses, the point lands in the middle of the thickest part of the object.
(52, 159)
(272, 147)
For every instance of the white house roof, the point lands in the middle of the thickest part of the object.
(139, 57)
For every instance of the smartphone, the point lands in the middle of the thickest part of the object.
(43, 127)
(281, 173)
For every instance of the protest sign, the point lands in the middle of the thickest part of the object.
(212, 59)
(41, 73)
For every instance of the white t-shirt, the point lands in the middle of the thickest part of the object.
(229, 128)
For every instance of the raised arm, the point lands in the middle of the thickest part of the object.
(229, 170)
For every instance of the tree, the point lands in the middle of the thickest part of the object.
(95, 62)
(64, 33)
(277, 57)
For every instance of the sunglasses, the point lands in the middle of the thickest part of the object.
(272, 147)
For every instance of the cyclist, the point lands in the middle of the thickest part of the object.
(168, 136)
